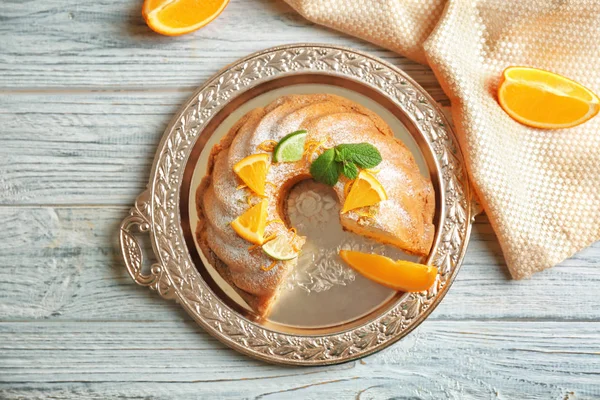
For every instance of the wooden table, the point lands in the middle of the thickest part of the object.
(86, 90)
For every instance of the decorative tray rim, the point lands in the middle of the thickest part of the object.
(174, 275)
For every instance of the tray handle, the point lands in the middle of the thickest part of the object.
(138, 221)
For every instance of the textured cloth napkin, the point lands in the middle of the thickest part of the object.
(539, 188)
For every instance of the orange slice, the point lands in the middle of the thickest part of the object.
(401, 275)
(542, 99)
(365, 191)
(176, 17)
(252, 170)
(251, 224)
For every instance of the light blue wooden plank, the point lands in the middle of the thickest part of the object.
(64, 264)
(168, 360)
(105, 43)
(85, 93)
(81, 147)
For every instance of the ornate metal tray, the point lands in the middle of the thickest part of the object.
(330, 315)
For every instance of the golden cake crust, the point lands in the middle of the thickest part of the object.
(404, 220)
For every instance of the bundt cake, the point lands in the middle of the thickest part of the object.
(228, 202)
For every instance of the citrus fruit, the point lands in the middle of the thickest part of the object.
(176, 17)
(365, 191)
(401, 275)
(290, 148)
(542, 99)
(251, 224)
(252, 170)
(280, 249)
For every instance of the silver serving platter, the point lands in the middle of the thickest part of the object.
(328, 314)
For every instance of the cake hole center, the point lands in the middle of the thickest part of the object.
(313, 209)
(316, 293)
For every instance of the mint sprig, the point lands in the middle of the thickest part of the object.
(350, 170)
(364, 155)
(344, 159)
(324, 169)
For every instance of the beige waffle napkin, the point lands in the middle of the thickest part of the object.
(539, 188)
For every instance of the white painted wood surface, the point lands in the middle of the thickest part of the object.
(85, 93)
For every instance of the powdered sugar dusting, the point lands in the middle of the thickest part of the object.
(331, 120)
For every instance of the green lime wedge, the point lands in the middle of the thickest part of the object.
(279, 249)
(290, 148)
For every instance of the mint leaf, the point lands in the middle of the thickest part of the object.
(350, 170)
(339, 156)
(344, 159)
(365, 155)
(325, 169)
(343, 152)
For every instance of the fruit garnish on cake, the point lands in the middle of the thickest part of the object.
(290, 148)
(364, 191)
(252, 170)
(243, 229)
(280, 249)
(399, 275)
(252, 223)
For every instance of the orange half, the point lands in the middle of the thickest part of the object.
(177, 17)
(404, 276)
(542, 99)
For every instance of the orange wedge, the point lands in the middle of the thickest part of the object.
(176, 17)
(252, 170)
(251, 224)
(401, 275)
(542, 99)
(365, 191)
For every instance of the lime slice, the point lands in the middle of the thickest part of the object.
(290, 148)
(279, 249)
